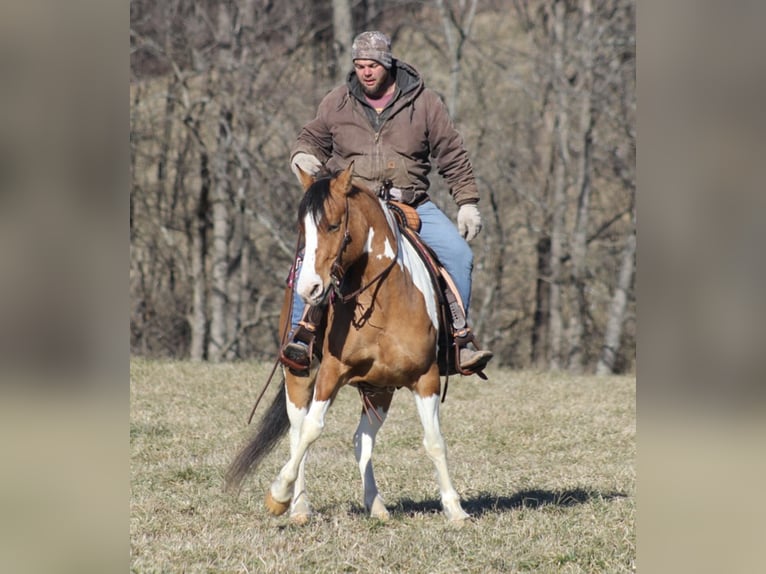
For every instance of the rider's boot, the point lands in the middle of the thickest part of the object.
(470, 360)
(296, 354)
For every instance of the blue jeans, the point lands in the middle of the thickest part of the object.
(441, 235)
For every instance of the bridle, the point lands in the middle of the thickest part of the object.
(336, 277)
(337, 272)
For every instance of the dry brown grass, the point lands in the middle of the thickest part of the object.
(545, 465)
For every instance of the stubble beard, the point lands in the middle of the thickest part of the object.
(378, 89)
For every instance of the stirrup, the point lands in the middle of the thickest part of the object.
(296, 354)
(296, 357)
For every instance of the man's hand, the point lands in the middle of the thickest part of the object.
(307, 162)
(468, 221)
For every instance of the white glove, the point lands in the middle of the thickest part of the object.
(307, 162)
(468, 221)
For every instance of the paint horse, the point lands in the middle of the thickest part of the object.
(380, 335)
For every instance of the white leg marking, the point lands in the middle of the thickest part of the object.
(313, 423)
(428, 409)
(364, 443)
(299, 505)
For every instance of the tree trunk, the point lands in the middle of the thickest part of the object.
(219, 295)
(199, 256)
(579, 251)
(494, 294)
(542, 313)
(455, 47)
(374, 10)
(561, 159)
(239, 273)
(545, 161)
(618, 305)
(579, 306)
(343, 31)
(167, 135)
(556, 311)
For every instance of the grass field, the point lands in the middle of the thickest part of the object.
(545, 464)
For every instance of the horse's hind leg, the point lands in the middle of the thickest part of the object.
(427, 402)
(364, 442)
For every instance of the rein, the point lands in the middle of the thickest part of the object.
(282, 339)
(337, 272)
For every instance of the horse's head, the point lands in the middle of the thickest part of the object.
(330, 250)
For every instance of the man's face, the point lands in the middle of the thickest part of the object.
(372, 75)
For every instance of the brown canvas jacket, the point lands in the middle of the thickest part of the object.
(395, 145)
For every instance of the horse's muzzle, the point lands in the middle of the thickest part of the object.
(316, 293)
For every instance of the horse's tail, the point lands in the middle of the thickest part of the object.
(271, 428)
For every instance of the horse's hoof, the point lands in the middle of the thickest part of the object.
(456, 515)
(300, 512)
(378, 509)
(274, 506)
(459, 520)
(300, 519)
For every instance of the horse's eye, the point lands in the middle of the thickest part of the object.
(334, 227)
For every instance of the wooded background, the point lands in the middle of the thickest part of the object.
(543, 92)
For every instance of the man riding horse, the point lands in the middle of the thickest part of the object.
(385, 121)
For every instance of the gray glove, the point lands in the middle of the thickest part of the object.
(468, 221)
(307, 162)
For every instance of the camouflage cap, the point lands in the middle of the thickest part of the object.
(372, 46)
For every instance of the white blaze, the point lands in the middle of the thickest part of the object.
(308, 277)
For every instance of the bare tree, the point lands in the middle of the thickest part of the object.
(343, 33)
(199, 257)
(456, 23)
(579, 304)
(606, 362)
(559, 196)
(581, 39)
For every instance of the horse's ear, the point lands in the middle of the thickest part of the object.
(343, 181)
(306, 179)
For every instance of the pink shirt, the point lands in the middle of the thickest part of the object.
(379, 103)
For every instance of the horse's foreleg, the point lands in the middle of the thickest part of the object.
(300, 509)
(289, 485)
(364, 442)
(428, 409)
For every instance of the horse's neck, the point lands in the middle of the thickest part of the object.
(381, 222)
(407, 270)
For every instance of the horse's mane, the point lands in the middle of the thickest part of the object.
(314, 199)
(316, 195)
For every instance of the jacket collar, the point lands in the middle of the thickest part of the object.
(408, 82)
